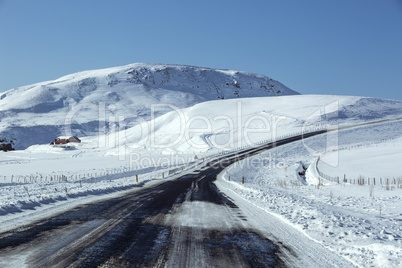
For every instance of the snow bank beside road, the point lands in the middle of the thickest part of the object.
(361, 227)
(35, 180)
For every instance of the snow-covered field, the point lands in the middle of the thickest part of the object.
(360, 222)
(371, 164)
(323, 186)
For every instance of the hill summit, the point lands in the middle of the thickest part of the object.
(38, 113)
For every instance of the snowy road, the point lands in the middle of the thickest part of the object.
(186, 222)
(182, 223)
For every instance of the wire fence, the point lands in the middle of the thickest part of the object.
(387, 183)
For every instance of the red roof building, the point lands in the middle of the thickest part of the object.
(60, 141)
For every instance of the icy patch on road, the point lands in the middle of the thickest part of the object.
(199, 214)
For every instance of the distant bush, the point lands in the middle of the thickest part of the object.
(6, 145)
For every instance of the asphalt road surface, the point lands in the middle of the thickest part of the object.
(185, 222)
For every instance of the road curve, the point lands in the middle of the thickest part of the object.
(185, 222)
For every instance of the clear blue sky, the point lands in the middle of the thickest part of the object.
(343, 47)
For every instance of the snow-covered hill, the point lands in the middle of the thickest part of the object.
(229, 124)
(38, 113)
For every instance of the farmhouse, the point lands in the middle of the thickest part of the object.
(62, 140)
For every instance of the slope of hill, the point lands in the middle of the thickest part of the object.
(38, 113)
(236, 123)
